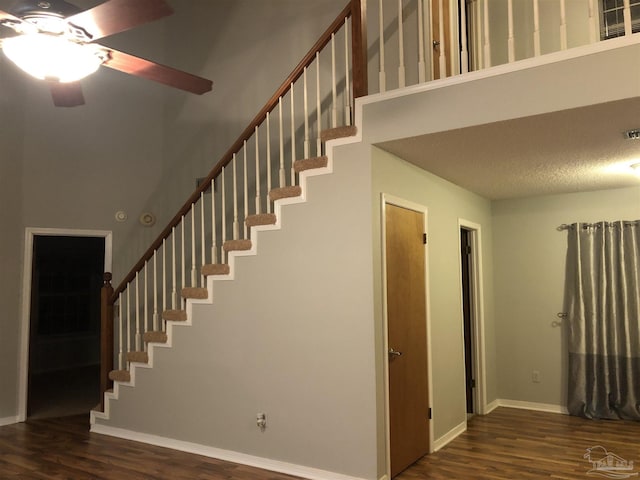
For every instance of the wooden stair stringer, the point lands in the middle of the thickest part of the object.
(231, 256)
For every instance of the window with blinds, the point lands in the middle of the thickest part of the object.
(612, 24)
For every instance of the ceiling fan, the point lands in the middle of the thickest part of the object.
(54, 40)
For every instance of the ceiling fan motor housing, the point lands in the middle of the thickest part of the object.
(38, 8)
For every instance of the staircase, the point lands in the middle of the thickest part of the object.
(220, 271)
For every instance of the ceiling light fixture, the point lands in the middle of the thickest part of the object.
(636, 168)
(632, 134)
(51, 57)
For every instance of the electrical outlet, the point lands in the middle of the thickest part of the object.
(535, 376)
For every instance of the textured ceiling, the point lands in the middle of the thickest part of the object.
(567, 151)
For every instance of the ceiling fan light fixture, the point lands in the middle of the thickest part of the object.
(50, 57)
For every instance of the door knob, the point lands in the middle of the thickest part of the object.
(394, 353)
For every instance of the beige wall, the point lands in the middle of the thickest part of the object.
(529, 267)
(446, 204)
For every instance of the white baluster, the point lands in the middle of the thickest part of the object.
(442, 58)
(155, 291)
(293, 136)
(194, 269)
(511, 42)
(593, 22)
(268, 162)
(334, 86)
(164, 275)
(202, 237)
(214, 226)
(536, 28)
(306, 113)
(401, 68)
(318, 107)
(223, 202)
(129, 345)
(234, 175)
(627, 18)
(487, 36)
(183, 257)
(347, 79)
(258, 209)
(145, 324)
(382, 76)
(120, 334)
(138, 330)
(563, 25)
(422, 66)
(281, 121)
(174, 275)
(245, 209)
(479, 55)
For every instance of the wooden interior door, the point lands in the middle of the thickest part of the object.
(441, 45)
(407, 337)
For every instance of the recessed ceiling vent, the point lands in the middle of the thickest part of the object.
(632, 134)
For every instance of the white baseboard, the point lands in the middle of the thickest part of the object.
(220, 454)
(492, 406)
(540, 407)
(8, 421)
(449, 436)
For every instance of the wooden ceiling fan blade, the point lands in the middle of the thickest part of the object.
(116, 16)
(158, 73)
(66, 94)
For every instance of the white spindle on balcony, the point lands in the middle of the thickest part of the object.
(563, 25)
(234, 178)
(382, 76)
(536, 28)
(155, 292)
(422, 66)
(402, 74)
(145, 323)
(487, 36)
(627, 17)
(214, 224)
(129, 344)
(183, 256)
(511, 41)
(334, 85)
(194, 267)
(245, 188)
(164, 275)
(442, 58)
(281, 138)
(593, 22)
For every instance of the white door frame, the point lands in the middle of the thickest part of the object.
(399, 202)
(30, 233)
(477, 313)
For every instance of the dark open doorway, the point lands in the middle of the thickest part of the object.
(467, 311)
(64, 339)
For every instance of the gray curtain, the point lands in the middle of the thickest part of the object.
(602, 295)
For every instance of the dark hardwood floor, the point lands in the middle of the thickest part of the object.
(507, 444)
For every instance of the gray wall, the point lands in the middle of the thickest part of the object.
(446, 204)
(529, 273)
(11, 120)
(290, 336)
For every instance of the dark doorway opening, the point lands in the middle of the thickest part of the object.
(467, 311)
(64, 333)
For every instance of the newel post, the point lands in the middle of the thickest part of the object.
(106, 336)
(359, 47)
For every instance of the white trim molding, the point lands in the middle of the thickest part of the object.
(30, 233)
(539, 407)
(221, 454)
(8, 421)
(450, 436)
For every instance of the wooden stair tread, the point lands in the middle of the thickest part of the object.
(174, 315)
(310, 163)
(261, 219)
(285, 192)
(215, 269)
(120, 376)
(338, 132)
(155, 337)
(195, 292)
(138, 357)
(235, 245)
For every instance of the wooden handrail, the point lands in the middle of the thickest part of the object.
(248, 132)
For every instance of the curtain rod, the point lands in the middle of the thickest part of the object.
(626, 223)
